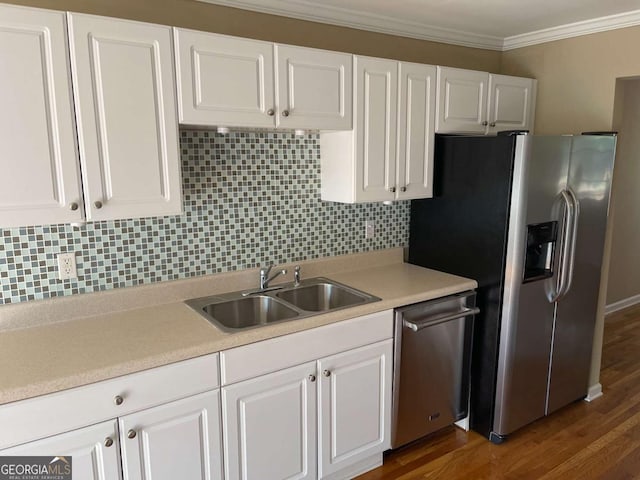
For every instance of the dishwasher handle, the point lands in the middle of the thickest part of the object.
(438, 319)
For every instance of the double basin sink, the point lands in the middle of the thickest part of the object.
(241, 310)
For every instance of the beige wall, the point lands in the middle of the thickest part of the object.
(577, 78)
(624, 267)
(231, 21)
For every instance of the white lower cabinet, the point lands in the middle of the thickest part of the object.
(93, 450)
(355, 406)
(180, 439)
(270, 426)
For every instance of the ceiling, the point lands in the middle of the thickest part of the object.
(494, 24)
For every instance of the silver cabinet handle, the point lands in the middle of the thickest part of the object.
(285, 113)
(326, 373)
(73, 206)
(485, 123)
(108, 442)
(131, 434)
(403, 189)
(492, 124)
(437, 319)
(312, 378)
(118, 400)
(271, 112)
(392, 189)
(98, 204)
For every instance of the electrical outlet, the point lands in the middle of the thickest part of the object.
(67, 266)
(369, 229)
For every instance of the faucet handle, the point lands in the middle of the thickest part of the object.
(265, 270)
(296, 275)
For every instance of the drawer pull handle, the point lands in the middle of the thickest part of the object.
(118, 400)
(98, 204)
(73, 206)
(326, 373)
(271, 112)
(312, 378)
(108, 442)
(131, 434)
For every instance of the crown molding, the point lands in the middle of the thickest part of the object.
(314, 12)
(602, 24)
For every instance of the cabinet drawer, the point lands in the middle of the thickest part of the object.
(259, 358)
(58, 412)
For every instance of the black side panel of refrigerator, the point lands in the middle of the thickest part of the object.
(463, 231)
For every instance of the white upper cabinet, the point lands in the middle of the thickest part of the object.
(224, 80)
(483, 103)
(126, 114)
(389, 153)
(511, 103)
(416, 110)
(40, 174)
(180, 439)
(462, 101)
(94, 451)
(375, 129)
(314, 88)
(237, 82)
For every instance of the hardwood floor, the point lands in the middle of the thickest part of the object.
(598, 440)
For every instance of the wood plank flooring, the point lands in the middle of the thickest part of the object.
(598, 440)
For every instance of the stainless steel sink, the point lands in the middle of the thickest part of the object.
(236, 311)
(321, 297)
(249, 311)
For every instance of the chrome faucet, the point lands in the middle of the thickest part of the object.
(296, 276)
(264, 276)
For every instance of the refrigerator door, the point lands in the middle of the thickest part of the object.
(527, 316)
(590, 173)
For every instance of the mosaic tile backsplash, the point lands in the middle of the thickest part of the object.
(249, 199)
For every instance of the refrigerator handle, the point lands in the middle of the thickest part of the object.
(565, 255)
(571, 253)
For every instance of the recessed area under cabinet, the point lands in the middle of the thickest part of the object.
(389, 153)
(126, 154)
(482, 103)
(238, 82)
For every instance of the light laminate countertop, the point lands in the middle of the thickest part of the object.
(56, 356)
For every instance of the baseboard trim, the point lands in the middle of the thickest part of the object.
(595, 391)
(627, 302)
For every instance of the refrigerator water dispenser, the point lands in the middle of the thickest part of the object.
(541, 246)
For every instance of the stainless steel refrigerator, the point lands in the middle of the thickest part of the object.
(526, 217)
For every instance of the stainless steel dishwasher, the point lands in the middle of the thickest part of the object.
(431, 368)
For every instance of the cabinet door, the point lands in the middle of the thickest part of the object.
(376, 91)
(462, 101)
(314, 88)
(270, 426)
(416, 117)
(39, 183)
(224, 81)
(91, 458)
(180, 439)
(355, 406)
(510, 102)
(127, 117)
